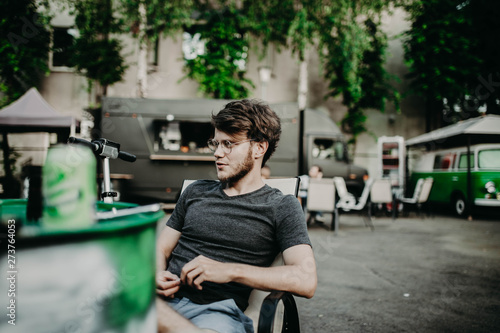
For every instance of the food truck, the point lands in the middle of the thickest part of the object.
(169, 138)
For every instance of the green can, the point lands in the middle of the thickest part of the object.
(69, 188)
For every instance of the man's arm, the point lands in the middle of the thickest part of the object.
(297, 276)
(167, 284)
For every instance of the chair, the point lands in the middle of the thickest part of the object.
(381, 192)
(420, 194)
(265, 308)
(347, 201)
(321, 197)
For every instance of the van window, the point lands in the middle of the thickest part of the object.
(444, 162)
(489, 159)
(462, 162)
(328, 149)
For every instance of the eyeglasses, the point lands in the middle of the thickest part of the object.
(227, 146)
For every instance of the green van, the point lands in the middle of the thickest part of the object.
(448, 168)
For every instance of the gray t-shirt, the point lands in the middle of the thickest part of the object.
(251, 228)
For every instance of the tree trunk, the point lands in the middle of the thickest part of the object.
(142, 62)
(303, 82)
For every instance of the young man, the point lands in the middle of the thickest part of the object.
(223, 236)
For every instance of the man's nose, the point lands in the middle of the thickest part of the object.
(219, 151)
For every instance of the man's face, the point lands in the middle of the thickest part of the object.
(237, 164)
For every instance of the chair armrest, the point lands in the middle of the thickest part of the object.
(268, 313)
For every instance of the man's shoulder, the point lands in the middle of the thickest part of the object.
(203, 186)
(278, 197)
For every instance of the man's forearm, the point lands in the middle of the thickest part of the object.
(165, 244)
(297, 276)
(297, 279)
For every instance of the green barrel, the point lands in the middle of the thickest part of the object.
(98, 278)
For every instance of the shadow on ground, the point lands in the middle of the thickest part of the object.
(433, 274)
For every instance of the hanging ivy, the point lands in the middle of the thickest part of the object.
(220, 70)
(95, 53)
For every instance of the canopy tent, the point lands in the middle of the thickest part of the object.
(30, 113)
(485, 129)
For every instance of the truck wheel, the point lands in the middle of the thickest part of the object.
(459, 205)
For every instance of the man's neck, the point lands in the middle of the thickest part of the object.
(251, 182)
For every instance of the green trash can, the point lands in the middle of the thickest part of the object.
(94, 279)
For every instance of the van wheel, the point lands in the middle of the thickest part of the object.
(459, 205)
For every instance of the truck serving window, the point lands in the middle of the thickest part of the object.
(328, 149)
(489, 159)
(182, 136)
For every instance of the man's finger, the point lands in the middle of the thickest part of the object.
(193, 274)
(167, 293)
(167, 284)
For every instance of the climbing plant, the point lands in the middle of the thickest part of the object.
(95, 53)
(220, 69)
(24, 47)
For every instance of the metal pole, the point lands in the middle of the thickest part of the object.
(106, 180)
(469, 180)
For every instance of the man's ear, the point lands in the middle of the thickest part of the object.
(260, 148)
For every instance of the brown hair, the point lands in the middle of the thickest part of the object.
(254, 118)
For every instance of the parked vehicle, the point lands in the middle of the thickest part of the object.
(169, 139)
(462, 181)
(448, 168)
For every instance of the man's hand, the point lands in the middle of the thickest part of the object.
(167, 284)
(201, 269)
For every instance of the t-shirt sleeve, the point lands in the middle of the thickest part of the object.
(291, 228)
(176, 220)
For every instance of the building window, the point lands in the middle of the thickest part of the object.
(62, 41)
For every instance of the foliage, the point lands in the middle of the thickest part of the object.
(353, 54)
(353, 49)
(454, 63)
(163, 16)
(220, 69)
(24, 49)
(95, 53)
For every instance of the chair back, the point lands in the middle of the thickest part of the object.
(347, 201)
(340, 187)
(321, 195)
(285, 185)
(426, 190)
(418, 189)
(381, 191)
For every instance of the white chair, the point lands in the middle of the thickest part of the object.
(347, 201)
(321, 197)
(274, 311)
(420, 194)
(381, 192)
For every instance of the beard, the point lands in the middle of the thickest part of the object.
(242, 170)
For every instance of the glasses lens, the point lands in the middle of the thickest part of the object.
(212, 145)
(226, 146)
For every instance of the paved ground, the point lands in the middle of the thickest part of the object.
(438, 274)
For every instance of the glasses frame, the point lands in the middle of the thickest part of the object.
(226, 145)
